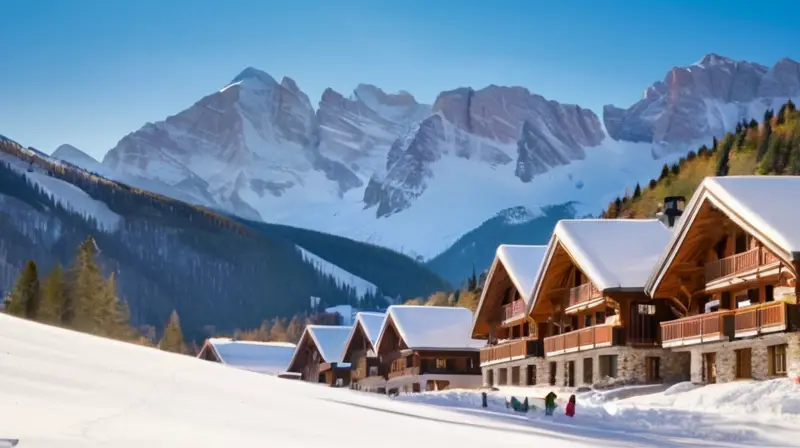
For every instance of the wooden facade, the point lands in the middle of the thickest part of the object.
(418, 370)
(364, 362)
(572, 314)
(501, 319)
(725, 279)
(312, 367)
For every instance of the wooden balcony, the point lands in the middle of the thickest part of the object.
(760, 319)
(509, 351)
(406, 371)
(709, 327)
(580, 340)
(583, 295)
(513, 310)
(739, 264)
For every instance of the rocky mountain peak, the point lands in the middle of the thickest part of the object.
(255, 78)
(370, 95)
(703, 100)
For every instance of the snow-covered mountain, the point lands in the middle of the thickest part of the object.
(385, 169)
(704, 99)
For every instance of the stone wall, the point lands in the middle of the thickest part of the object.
(725, 353)
(631, 366)
(504, 369)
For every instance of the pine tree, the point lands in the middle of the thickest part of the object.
(618, 207)
(653, 184)
(664, 172)
(637, 191)
(278, 331)
(753, 124)
(472, 282)
(769, 164)
(763, 144)
(714, 144)
(54, 295)
(86, 289)
(25, 298)
(172, 340)
(724, 156)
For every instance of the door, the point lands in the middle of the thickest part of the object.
(710, 370)
(653, 369)
(531, 375)
(588, 370)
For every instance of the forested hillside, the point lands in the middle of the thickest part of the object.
(771, 147)
(166, 255)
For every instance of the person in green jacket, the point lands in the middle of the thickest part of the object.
(550, 403)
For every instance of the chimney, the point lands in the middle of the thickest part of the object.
(673, 209)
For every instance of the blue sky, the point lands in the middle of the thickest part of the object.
(87, 72)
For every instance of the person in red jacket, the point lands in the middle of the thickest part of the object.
(570, 411)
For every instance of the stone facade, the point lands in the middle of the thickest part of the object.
(494, 374)
(725, 357)
(631, 368)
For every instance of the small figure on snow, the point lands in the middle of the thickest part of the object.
(570, 411)
(550, 403)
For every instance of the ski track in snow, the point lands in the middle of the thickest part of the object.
(343, 278)
(62, 389)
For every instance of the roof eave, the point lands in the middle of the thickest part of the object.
(540, 275)
(495, 262)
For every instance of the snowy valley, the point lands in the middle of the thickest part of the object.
(373, 166)
(63, 389)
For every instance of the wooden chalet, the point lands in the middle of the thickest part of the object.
(366, 372)
(319, 354)
(428, 348)
(597, 325)
(262, 357)
(513, 355)
(730, 269)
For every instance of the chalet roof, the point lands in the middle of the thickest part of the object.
(761, 205)
(263, 357)
(613, 253)
(371, 323)
(432, 327)
(522, 264)
(329, 340)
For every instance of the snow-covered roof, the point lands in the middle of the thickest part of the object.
(764, 202)
(432, 327)
(522, 264)
(613, 253)
(371, 323)
(329, 340)
(761, 205)
(263, 357)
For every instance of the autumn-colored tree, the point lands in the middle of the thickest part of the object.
(172, 340)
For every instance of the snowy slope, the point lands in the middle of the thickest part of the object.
(343, 278)
(62, 389)
(68, 195)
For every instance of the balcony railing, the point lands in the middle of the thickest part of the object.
(513, 310)
(761, 318)
(709, 327)
(407, 371)
(739, 263)
(508, 351)
(584, 339)
(583, 293)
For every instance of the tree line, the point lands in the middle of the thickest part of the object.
(773, 145)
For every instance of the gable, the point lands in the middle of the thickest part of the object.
(358, 340)
(301, 353)
(707, 218)
(554, 282)
(390, 338)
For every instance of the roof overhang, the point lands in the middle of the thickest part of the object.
(687, 220)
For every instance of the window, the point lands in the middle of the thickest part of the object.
(441, 363)
(373, 371)
(588, 374)
(647, 309)
(608, 366)
(587, 320)
(743, 363)
(552, 373)
(769, 293)
(600, 317)
(515, 380)
(777, 360)
(531, 375)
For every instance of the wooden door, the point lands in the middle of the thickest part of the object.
(710, 371)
